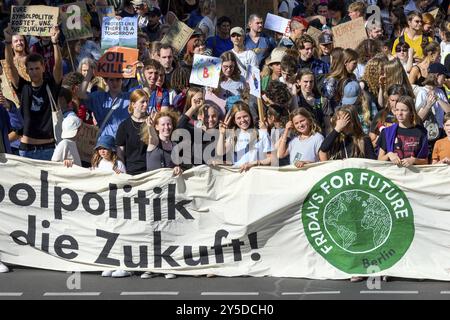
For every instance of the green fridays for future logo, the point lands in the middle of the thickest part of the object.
(356, 218)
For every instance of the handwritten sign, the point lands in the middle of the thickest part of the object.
(7, 89)
(117, 62)
(76, 21)
(254, 81)
(278, 24)
(122, 33)
(33, 20)
(206, 71)
(349, 34)
(178, 35)
(86, 140)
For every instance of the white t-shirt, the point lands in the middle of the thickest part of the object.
(243, 152)
(445, 49)
(305, 150)
(67, 150)
(207, 23)
(246, 58)
(288, 6)
(107, 166)
(421, 98)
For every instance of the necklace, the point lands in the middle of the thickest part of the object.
(133, 120)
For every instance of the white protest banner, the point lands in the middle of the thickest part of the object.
(328, 221)
(206, 71)
(178, 35)
(86, 140)
(254, 81)
(76, 21)
(120, 33)
(278, 24)
(349, 34)
(7, 90)
(33, 20)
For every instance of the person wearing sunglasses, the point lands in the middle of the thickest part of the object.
(244, 58)
(406, 55)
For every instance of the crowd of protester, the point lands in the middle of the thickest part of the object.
(387, 99)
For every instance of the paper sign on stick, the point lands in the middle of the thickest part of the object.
(254, 81)
(205, 71)
(349, 34)
(76, 21)
(117, 62)
(278, 24)
(121, 33)
(178, 35)
(33, 20)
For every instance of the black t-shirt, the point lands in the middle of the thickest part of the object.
(36, 108)
(128, 135)
(408, 143)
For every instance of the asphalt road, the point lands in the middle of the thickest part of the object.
(25, 283)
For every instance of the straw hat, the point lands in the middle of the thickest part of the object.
(276, 56)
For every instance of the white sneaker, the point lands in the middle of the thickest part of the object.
(170, 276)
(107, 273)
(3, 268)
(147, 275)
(121, 274)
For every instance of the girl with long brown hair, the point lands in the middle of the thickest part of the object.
(347, 139)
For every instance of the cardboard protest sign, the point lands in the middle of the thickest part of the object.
(33, 20)
(211, 98)
(434, 13)
(349, 34)
(278, 24)
(117, 62)
(86, 140)
(121, 33)
(178, 36)
(254, 81)
(205, 71)
(105, 11)
(7, 89)
(76, 21)
(314, 33)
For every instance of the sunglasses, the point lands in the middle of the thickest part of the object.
(401, 49)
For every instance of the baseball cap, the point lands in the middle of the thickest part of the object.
(351, 92)
(107, 142)
(325, 38)
(237, 30)
(70, 126)
(438, 68)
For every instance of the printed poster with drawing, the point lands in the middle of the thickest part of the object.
(205, 71)
(120, 33)
(254, 81)
(76, 21)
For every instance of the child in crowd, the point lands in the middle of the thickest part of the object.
(66, 151)
(105, 158)
(404, 143)
(441, 151)
(304, 147)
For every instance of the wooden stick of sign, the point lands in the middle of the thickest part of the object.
(260, 110)
(70, 55)
(275, 7)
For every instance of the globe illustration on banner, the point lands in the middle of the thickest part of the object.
(374, 221)
(205, 71)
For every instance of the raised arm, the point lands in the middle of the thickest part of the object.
(153, 139)
(9, 55)
(58, 68)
